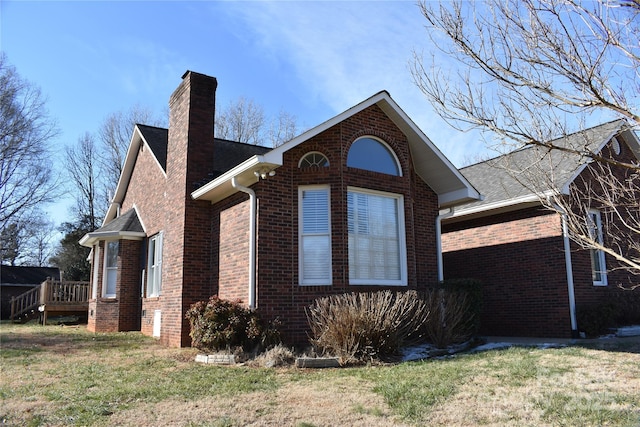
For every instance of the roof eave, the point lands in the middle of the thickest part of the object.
(90, 239)
(246, 173)
(498, 207)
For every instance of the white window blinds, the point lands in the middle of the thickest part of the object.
(315, 236)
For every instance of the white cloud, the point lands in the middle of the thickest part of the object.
(344, 52)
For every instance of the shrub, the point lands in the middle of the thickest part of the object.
(359, 327)
(596, 320)
(455, 311)
(219, 324)
(627, 305)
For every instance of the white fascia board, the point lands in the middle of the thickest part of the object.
(90, 239)
(458, 197)
(275, 155)
(502, 204)
(429, 162)
(125, 176)
(221, 187)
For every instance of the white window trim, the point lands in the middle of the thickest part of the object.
(154, 274)
(594, 213)
(106, 269)
(403, 281)
(310, 153)
(308, 282)
(96, 269)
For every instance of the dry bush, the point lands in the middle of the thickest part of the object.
(359, 327)
(276, 356)
(452, 319)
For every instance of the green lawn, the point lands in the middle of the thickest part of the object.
(57, 376)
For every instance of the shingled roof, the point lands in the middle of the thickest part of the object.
(127, 226)
(227, 154)
(157, 139)
(18, 275)
(522, 175)
(127, 222)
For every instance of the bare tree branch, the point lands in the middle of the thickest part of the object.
(26, 178)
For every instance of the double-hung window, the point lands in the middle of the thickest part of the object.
(314, 235)
(154, 266)
(110, 270)
(377, 249)
(598, 266)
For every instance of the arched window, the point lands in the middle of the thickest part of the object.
(313, 159)
(371, 154)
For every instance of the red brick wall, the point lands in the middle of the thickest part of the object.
(278, 292)
(128, 287)
(587, 295)
(519, 258)
(187, 252)
(234, 253)
(121, 313)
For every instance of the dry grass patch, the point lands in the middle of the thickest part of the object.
(345, 402)
(54, 376)
(552, 387)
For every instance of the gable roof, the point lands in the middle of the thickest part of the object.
(18, 275)
(157, 139)
(430, 164)
(126, 226)
(519, 178)
(227, 154)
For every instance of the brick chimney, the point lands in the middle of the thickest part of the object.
(186, 265)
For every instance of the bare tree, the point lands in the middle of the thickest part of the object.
(242, 121)
(115, 135)
(40, 248)
(533, 72)
(27, 241)
(83, 170)
(245, 121)
(527, 71)
(283, 128)
(26, 178)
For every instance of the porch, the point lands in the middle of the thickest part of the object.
(51, 298)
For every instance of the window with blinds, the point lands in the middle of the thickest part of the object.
(377, 252)
(315, 235)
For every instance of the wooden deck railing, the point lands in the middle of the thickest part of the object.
(60, 293)
(25, 303)
(59, 296)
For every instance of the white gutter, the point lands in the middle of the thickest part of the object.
(439, 260)
(569, 268)
(252, 240)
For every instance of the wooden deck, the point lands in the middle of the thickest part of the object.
(51, 298)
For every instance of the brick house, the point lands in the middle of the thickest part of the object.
(535, 280)
(350, 205)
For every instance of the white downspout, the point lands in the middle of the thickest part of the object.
(440, 262)
(568, 266)
(567, 260)
(252, 240)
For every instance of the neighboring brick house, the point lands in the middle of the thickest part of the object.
(535, 279)
(350, 205)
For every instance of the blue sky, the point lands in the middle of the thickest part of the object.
(311, 59)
